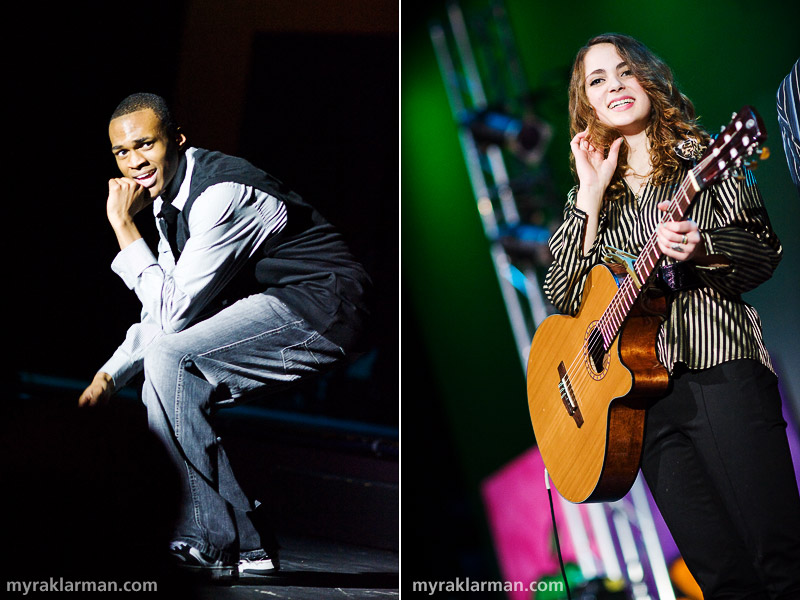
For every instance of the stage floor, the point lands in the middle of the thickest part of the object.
(98, 487)
(317, 569)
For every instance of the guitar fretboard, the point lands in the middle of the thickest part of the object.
(622, 302)
(729, 149)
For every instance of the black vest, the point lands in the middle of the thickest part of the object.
(307, 265)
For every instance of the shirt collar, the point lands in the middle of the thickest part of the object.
(178, 188)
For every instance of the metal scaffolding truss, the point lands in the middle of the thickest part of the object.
(481, 69)
(487, 165)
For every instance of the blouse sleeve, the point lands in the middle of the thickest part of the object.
(743, 235)
(567, 274)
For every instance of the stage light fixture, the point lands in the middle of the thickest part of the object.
(527, 137)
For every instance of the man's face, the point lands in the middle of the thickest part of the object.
(144, 151)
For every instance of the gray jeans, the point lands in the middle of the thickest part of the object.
(257, 343)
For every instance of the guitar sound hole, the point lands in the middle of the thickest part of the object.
(596, 351)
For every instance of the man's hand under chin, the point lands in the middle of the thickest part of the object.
(126, 198)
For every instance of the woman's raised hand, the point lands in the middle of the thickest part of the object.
(594, 168)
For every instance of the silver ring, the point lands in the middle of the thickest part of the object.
(685, 239)
(677, 248)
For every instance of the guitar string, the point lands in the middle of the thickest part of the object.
(651, 244)
(601, 332)
(578, 372)
(626, 288)
(627, 284)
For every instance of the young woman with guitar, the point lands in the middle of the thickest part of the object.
(713, 445)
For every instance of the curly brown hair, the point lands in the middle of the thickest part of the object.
(672, 115)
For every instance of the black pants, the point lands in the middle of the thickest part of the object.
(717, 461)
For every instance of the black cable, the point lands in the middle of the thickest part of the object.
(555, 533)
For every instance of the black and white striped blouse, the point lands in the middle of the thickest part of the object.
(708, 324)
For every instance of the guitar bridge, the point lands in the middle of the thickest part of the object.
(568, 395)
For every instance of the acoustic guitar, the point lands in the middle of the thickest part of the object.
(590, 377)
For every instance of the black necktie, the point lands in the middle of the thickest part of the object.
(170, 214)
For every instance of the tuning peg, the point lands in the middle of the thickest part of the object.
(763, 153)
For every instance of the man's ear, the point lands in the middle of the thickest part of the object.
(180, 139)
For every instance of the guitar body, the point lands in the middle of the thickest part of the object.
(588, 395)
(592, 448)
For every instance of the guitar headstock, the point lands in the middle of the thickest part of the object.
(732, 147)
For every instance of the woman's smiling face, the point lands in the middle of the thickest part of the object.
(615, 94)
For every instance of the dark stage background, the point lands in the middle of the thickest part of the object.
(305, 90)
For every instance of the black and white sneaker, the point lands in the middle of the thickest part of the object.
(191, 559)
(258, 563)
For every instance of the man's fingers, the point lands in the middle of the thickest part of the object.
(120, 183)
(94, 395)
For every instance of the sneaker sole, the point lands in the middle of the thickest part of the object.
(249, 570)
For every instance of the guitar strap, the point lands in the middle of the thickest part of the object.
(677, 277)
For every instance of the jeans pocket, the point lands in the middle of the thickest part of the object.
(312, 354)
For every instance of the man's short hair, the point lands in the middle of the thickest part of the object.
(154, 102)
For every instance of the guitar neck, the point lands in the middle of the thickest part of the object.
(620, 306)
(729, 149)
